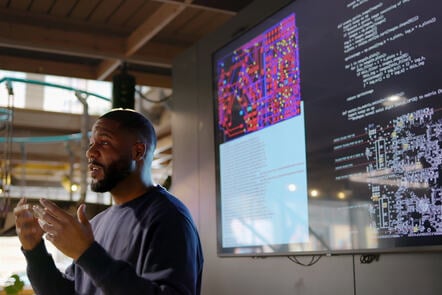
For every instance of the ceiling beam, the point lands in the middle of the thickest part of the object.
(154, 24)
(32, 65)
(55, 40)
(106, 68)
(202, 7)
(163, 53)
(76, 70)
(143, 34)
(25, 16)
(155, 80)
(83, 44)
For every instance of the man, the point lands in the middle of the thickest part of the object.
(146, 243)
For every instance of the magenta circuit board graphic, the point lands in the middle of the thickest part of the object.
(258, 84)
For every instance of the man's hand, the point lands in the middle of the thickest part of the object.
(71, 235)
(28, 230)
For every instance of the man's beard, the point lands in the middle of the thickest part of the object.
(113, 174)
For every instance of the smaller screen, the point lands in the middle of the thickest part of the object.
(260, 128)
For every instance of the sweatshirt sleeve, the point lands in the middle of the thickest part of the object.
(43, 274)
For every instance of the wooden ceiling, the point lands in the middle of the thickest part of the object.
(90, 39)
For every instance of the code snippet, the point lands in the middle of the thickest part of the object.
(367, 33)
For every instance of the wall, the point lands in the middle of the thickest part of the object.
(194, 182)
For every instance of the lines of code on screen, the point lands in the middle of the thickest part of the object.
(258, 84)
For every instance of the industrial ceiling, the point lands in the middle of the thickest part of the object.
(91, 39)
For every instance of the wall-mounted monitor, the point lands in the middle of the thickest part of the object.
(328, 130)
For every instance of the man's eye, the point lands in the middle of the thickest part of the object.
(99, 143)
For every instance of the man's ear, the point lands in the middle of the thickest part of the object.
(139, 151)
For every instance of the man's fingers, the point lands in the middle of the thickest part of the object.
(45, 219)
(23, 212)
(54, 210)
(81, 214)
(52, 219)
(21, 207)
(21, 202)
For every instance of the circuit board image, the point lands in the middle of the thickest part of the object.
(259, 84)
(406, 161)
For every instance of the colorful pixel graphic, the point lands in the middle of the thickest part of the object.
(258, 84)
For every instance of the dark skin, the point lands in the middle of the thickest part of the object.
(110, 146)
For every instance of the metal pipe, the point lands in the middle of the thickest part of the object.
(83, 145)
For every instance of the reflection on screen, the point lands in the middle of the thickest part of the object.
(263, 182)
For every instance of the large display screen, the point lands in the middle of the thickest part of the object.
(328, 130)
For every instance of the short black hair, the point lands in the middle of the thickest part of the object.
(135, 122)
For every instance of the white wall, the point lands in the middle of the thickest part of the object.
(194, 182)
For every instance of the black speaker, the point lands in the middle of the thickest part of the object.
(123, 90)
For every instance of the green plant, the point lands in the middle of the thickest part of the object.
(15, 286)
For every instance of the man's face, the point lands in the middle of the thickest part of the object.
(109, 155)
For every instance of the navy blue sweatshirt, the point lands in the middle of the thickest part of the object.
(149, 245)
